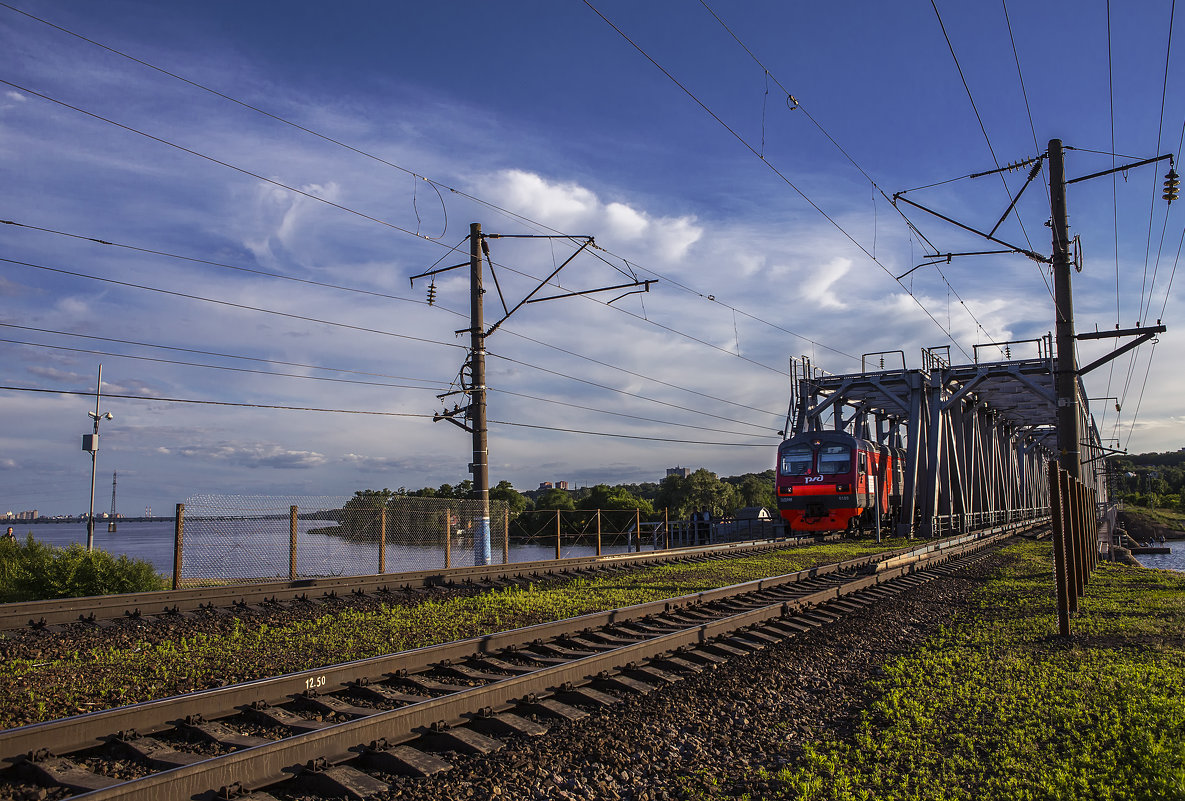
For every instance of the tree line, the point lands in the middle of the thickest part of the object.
(679, 495)
(1153, 480)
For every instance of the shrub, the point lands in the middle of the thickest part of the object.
(34, 571)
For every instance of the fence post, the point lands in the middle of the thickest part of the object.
(448, 538)
(178, 543)
(383, 539)
(637, 530)
(557, 534)
(292, 543)
(506, 536)
(666, 528)
(1060, 570)
(1070, 532)
(598, 532)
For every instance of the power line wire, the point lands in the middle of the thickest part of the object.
(436, 185)
(123, 396)
(776, 415)
(242, 306)
(384, 295)
(774, 169)
(437, 388)
(439, 384)
(213, 160)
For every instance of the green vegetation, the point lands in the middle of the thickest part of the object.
(995, 707)
(1169, 518)
(1150, 480)
(128, 669)
(34, 571)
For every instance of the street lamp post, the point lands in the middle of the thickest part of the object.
(90, 442)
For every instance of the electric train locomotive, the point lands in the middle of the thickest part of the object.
(833, 481)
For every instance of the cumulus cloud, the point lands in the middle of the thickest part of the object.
(570, 207)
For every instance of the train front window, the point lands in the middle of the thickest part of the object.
(835, 460)
(796, 461)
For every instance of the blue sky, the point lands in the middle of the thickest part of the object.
(530, 116)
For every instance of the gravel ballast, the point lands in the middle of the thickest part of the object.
(711, 734)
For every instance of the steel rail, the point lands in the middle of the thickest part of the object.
(92, 729)
(270, 763)
(170, 602)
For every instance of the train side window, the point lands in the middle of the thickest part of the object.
(835, 460)
(796, 461)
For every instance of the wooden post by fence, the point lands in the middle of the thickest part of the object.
(292, 543)
(178, 545)
(638, 530)
(666, 528)
(557, 534)
(506, 536)
(1060, 567)
(598, 532)
(448, 538)
(383, 539)
(1070, 527)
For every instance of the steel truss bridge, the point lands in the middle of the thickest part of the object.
(978, 437)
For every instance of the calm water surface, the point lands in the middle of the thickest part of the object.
(259, 549)
(1166, 561)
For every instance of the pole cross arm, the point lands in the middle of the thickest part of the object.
(1145, 334)
(644, 284)
(1013, 248)
(542, 284)
(450, 416)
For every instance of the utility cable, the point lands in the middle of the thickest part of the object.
(617, 414)
(437, 388)
(213, 160)
(154, 399)
(629, 436)
(122, 396)
(983, 129)
(242, 306)
(223, 265)
(775, 170)
(368, 292)
(179, 363)
(776, 415)
(437, 185)
(213, 353)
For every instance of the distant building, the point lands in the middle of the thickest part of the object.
(563, 485)
(682, 472)
(28, 515)
(560, 485)
(545, 485)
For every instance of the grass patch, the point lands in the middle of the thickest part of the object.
(1169, 518)
(133, 670)
(33, 571)
(996, 707)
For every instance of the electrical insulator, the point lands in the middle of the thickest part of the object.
(1172, 185)
(431, 293)
(1008, 352)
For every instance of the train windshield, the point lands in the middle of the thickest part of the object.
(835, 460)
(796, 461)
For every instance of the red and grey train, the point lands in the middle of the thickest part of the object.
(833, 481)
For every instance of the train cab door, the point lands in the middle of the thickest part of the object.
(862, 483)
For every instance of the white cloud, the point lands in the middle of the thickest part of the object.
(571, 208)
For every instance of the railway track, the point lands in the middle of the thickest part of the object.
(347, 730)
(99, 610)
